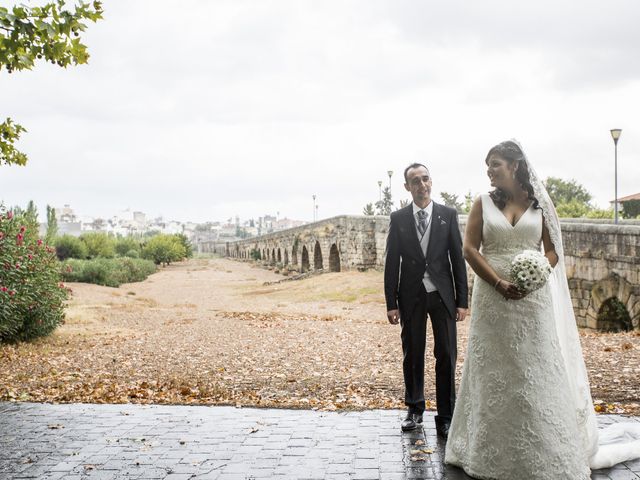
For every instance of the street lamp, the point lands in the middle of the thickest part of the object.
(317, 212)
(380, 189)
(390, 173)
(314, 207)
(615, 134)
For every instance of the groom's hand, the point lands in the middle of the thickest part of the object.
(461, 314)
(393, 316)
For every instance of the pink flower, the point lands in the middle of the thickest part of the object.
(22, 229)
(30, 257)
(19, 239)
(4, 289)
(12, 293)
(9, 215)
(39, 242)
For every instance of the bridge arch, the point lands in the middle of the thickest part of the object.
(334, 258)
(317, 256)
(304, 267)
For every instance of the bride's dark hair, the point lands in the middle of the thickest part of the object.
(510, 151)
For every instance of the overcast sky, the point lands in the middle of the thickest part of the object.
(203, 110)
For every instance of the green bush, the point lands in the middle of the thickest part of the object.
(184, 241)
(31, 294)
(111, 272)
(132, 254)
(125, 245)
(164, 249)
(68, 246)
(99, 245)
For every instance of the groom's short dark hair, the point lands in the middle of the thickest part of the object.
(413, 165)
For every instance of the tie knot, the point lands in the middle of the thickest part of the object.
(422, 214)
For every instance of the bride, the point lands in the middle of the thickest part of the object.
(524, 406)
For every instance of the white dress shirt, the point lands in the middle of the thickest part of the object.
(424, 240)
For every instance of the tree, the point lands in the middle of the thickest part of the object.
(468, 202)
(631, 208)
(368, 209)
(50, 32)
(451, 200)
(32, 211)
(563, 191)
(385, 206)
(52, 224)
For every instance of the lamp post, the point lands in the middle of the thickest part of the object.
(615, 134)
(390, 173)
(380, 190)
(317, 212)
(314, 207)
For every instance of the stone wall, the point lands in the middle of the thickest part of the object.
(602, 260)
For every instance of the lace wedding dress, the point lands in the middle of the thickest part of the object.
(524, 405)
(514, 417)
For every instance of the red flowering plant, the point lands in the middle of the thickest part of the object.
(31, 294)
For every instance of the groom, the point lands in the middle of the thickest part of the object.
(425, 274)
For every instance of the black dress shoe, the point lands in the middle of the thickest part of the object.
(409, 423)
(443, 430)
(417, 417)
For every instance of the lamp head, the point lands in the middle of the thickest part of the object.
(615, 134)
(390, 172)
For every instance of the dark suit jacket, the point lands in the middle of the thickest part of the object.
(405, 263)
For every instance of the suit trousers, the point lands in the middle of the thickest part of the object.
(413, 334)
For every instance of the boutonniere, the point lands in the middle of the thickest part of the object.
(442, 222)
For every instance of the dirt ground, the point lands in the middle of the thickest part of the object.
(209, 331)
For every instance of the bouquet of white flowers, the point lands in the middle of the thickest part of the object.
(530, 270)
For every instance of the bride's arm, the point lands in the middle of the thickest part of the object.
(549, 248)
(471, 250)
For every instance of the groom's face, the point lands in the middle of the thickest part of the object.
(419, 184)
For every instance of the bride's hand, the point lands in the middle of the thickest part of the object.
(509, 290)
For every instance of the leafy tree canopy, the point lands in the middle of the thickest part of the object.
(51, 33)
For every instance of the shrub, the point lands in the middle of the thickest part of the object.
(132, 254)
(31, 294)
(125, 245)
(68, 246)
(111, 272)
(99, 244)
(164, 249)
(184, 241)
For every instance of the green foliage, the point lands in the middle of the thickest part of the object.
(68, 246)
(32, 211)
(49, 32)
(368, 209)
(563, 191)
(31, 295)
(99, 245)
(52, 224)
(468, 202)
(9, 134)
(601, 214)
(451, 200)
(631, 209)
(164, 249)
(125, 245)
(188, 248)
(613, 316)
(385, 206)
(111, 272)
(255, 254)
(572, 209)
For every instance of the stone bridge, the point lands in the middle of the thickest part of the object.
(602, 260)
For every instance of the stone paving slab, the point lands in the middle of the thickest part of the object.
(81, 441)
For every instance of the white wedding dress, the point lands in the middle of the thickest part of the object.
(515, 417)
(524, 406)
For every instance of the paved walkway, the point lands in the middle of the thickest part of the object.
(79, 441)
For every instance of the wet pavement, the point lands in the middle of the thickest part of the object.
(82, 441)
